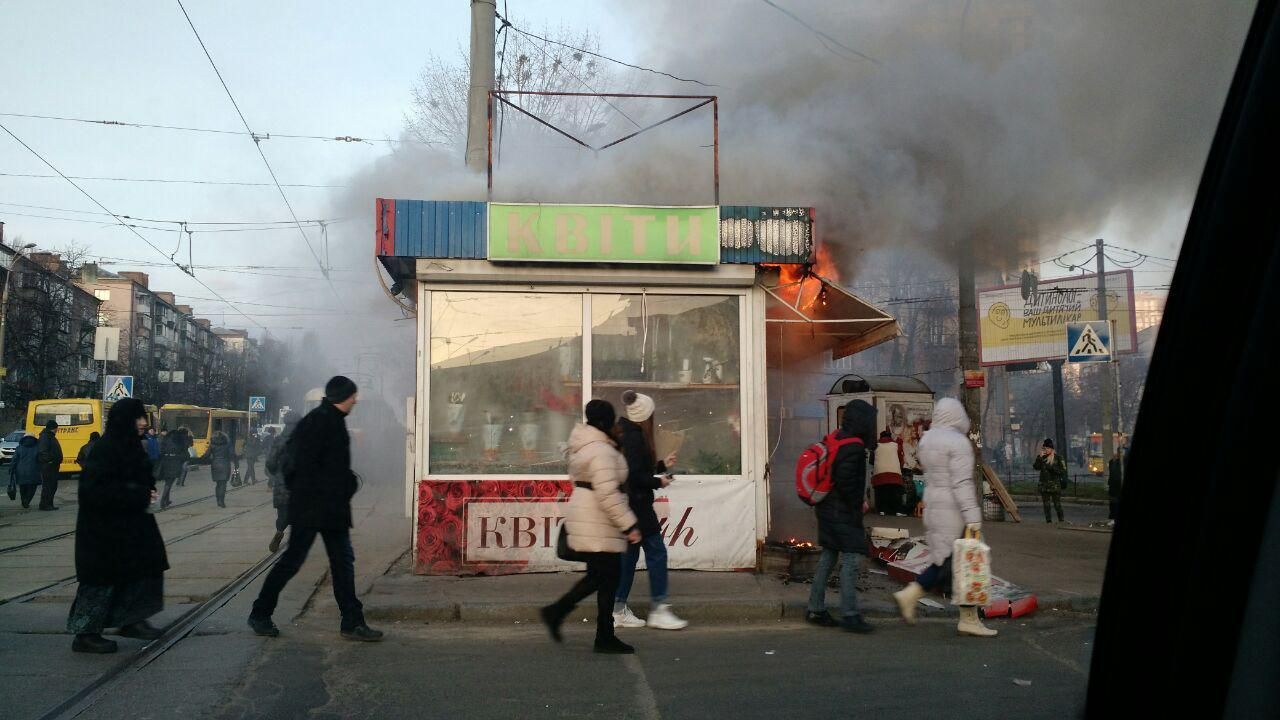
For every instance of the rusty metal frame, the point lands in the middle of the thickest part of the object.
(712, 100)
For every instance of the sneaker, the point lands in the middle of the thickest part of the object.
(142, 630)
(553, 619)
(855, 624)
(93, 644)
(661, 618)
(263, 627)
(363, 633)
(624, 618)
(822, 619)
(274, 545)
(613, 646)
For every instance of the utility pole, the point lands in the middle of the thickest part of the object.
(972, 397)
(1059, 412)
(1108, 380)
(482, 61)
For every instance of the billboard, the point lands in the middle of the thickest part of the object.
(604, 233)
(1012, 330)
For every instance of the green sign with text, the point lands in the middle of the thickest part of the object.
(604, 233)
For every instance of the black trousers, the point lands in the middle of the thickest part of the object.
(249, 475)
(603, 572)
(49, 488)
(168, 486)
(1056, 498)
(342, 571)
(888, 498)
(26, 492)
(220, 490)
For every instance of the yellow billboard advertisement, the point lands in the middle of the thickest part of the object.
(1012, 329)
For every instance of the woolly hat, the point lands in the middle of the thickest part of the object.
(1048, 442)
(339, 389)
(639, 406)
(600, 415)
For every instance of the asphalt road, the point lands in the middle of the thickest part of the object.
(1034, 670)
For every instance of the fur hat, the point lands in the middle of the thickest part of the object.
(639, 406)
(600, 415)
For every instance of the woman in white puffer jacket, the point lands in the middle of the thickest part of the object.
(950, 506)
(600, 524)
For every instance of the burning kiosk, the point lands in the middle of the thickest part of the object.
(525, 311)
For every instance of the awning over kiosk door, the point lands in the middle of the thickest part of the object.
(807, 307)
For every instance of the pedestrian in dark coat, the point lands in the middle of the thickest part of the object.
(252, 450)
(1115, 481)
(120, 556)
(645, 474)
(321, 485)
(49, 452)
(220, 457)
(279, 491)
(1053, 476)
(24, 469)
(173, 457)
(88, 446)
(840, 531)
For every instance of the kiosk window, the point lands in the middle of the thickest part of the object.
(684, 351)
(505, 381)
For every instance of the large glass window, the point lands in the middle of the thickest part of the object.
(683, 351)
(506, 381)
(65, 414)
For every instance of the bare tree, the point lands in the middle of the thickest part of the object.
(439, 105)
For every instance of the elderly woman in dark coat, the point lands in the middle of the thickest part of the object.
(120, 556)
(220, 457)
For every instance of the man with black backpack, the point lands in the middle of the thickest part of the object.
(316, 467)
(839, 512)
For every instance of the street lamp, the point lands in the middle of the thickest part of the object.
(4, 312)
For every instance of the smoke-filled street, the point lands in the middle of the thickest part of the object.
(582, 358)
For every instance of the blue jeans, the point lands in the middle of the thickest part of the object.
(848, 582)
(655, 558)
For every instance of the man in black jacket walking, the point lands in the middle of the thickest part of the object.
(317, 472)
(49, 455)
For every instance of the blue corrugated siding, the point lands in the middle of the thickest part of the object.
(459, 230)
(441, 229)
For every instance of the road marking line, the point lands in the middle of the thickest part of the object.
(1071, 664)
(646, 702)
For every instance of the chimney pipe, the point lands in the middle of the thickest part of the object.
(482, 61)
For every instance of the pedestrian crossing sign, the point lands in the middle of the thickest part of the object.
(257, 403)
(117, 387)
(1089, 341)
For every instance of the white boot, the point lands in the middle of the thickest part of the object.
(624, 618)
(661, 618)
(971, 625)
(907, 598)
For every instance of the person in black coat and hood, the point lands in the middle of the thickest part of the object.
(49, 452)
(317, 472)
(173, 458)
(120, 556)
(220, 457)
(840, 531)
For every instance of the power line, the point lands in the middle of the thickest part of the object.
(526, 33)
(105, 209)
(159, 229)
(166, 180)
(820, 34)
(215, 131)
(257, 144)
(258, 224)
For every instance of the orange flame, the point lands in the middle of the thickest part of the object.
(801, 281)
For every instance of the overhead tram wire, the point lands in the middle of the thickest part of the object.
(528, 34)
(257, 144)
(167, 180)
(215, 131)
(140, 226)
(827, 40)
(259, 224)
(95, 201)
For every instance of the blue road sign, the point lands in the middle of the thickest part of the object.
(1089, 341)
(117, 387)
(257, 403)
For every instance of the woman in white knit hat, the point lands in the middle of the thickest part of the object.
(645, 473)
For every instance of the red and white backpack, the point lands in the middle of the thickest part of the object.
(813, 469)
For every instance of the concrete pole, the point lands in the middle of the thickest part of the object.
(482, 62)
(968, 320)
(1059, 411)
(1108, 381)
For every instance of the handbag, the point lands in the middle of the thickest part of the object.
(970, 570)
(235, 477)
(563, 551)
(13, 489)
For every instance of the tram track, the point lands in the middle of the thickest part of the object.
(69, 533)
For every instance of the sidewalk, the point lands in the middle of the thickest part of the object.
(1064, 569)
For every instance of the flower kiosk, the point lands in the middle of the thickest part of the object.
(526, 311)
